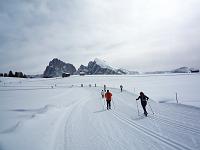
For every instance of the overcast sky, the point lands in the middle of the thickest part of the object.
(142, 35)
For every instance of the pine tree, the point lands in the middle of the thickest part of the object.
(5, 75)
(11, 74)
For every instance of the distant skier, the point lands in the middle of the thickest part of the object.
(121, 87)
(102, 93)
(144, 100)
(108, 97)
(104, 87)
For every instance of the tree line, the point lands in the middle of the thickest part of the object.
(11, 74)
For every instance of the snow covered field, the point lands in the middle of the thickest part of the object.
(58, 114)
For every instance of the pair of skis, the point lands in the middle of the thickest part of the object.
(146, 112)
(112, 103)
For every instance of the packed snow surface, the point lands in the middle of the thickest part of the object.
(59, 114)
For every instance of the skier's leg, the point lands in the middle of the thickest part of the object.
(107, 104)
(144, 107)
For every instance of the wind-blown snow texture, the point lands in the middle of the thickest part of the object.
(58, 114)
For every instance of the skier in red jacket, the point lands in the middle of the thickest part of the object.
(108, 97)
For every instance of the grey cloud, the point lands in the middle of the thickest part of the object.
(77, 31)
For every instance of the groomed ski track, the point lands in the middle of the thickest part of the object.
(80, 121)
(90, 126)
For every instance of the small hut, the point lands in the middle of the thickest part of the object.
(82, 73)
(65, 75)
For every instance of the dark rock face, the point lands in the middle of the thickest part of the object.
(82, 68)
(57, 67)
(93, 68)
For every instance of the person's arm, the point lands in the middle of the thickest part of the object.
(147, 98)
(138, 98)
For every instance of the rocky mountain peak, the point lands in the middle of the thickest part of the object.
(97, 67)
(56, 67)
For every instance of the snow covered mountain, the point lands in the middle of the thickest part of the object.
(100, 67)
(182, 70)
(178, 70)
(102, 64)
(56, 67)
(96, 67)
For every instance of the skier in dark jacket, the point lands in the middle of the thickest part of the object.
(144, 100)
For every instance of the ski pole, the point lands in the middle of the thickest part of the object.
(137, 107)
(151, 108)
